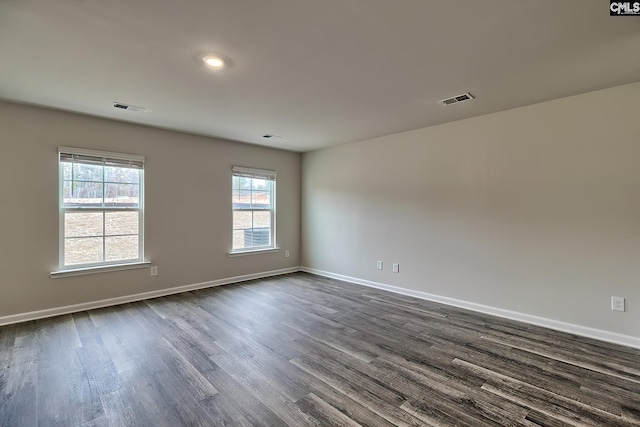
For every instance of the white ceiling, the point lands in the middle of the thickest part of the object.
(318, 73)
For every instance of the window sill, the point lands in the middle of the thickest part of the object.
(254, 252)
(101, 269)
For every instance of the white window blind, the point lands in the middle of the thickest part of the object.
(254, 173)
(105, 161)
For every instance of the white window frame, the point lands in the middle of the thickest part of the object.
(268, 175)
(107, 158)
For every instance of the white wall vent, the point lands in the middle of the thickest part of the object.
(128, 107)
(456, 99)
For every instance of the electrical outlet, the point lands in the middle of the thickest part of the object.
(617, 303)
(396, 267)
(154, 270)
(286, 254)
(379, 265)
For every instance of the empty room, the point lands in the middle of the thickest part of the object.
(319, 213)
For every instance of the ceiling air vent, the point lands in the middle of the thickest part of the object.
(456, 99)
(128, 107)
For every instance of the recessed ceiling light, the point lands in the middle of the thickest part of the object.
(214, 61)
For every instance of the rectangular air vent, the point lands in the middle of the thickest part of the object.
(456, 99)
(128, 107)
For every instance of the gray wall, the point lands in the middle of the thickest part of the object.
(535, 210)
(187, 207)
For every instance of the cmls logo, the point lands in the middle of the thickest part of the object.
(621, 8)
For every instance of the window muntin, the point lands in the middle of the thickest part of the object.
(101, 208)
(253, 201)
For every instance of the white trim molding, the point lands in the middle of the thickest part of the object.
(253, 252)
(50, 312)
(598, 334)
(95, 270)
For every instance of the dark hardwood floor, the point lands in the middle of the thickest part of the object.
(300, 350)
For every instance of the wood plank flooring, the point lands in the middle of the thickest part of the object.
(302, 350)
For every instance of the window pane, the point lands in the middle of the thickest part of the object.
(79, 224)
(236, 182)
(262, 219)
(238, 239)
(67, 192)
(241, 220)
(258, 236)
(87, 172)
(121, 175)
(66, 170)
(261, 200)
(241, 199)
(121, 248)
(121, 223)
(245, 183)
(122, 195)
(83, 193)
(260, 184)
(82, 250)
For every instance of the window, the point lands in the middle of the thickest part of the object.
(254, 208)
(101, 208)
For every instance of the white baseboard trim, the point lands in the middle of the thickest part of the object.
(50, 312)
(557, 325)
